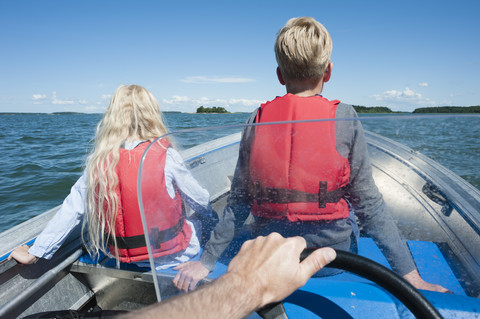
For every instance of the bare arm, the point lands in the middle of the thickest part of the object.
(266, 269)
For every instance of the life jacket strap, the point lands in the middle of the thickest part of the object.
(157, 237)
(285, 196)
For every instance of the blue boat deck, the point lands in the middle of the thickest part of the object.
(349, 296)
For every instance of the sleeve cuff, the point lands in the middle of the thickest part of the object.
(39, 253)
(208, 260)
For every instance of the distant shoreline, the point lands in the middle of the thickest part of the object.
(358, 108)
(217, 113)
(421, 110)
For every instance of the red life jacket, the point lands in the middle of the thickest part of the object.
(295, 168)
(168, 231)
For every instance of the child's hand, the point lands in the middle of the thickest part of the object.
(189, 274)
(22, 256)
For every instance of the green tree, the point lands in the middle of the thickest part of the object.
(448, 109)
(373, 109)
(214, 109)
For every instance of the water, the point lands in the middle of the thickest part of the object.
(43, 155)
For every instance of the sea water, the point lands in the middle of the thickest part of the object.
(43, 154)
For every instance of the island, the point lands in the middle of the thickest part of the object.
(449, 109)
(435, 109)
(373, 109)
(214, 109)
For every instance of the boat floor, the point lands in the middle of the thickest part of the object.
(131, 287)
(99, 285)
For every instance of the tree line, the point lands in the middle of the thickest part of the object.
(436, 109)
(449, 109)
(376, 109)
(372, 109)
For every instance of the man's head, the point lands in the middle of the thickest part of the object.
(303, 49)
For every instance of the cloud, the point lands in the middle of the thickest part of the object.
(104, 98)
(188, 104)
(402, 97)
(94, 109)
(207, 80)
(423, 84)
(60, 102)
(82, 105)
(177, 99)
(246, 102)
(39, 97)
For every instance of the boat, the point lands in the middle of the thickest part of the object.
(436, 211)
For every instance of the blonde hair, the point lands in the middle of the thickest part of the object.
(303, 49)
(133, 115)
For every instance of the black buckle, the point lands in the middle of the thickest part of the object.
(258, 192)
(322, 194)
(155, 238)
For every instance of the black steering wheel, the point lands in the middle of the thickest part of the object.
(371, 270)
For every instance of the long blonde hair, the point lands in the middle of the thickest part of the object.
(133, 115)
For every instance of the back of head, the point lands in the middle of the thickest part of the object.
(303, 49)
(133, 115)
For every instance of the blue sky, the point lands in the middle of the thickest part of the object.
(71, 55)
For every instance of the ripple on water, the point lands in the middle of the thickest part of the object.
(43, 155)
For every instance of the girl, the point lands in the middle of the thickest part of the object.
(105, 196)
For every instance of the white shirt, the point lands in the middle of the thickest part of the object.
(73, 209)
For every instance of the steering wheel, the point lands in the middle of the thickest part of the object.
(371, 270)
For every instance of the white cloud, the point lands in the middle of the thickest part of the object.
(60, 102)
(188, 104)
(38, 97)
(423, 84)
(246, 102)
(177, 99)
(400, 97)
(194, 102)
(206, 80)
(94, 109)
(85, 104)
(104, 98)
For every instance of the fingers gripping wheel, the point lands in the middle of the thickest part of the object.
(366, 268)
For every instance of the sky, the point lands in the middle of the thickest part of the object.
(70, 56)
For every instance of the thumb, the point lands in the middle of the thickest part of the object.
(316, 261)
(179, 266)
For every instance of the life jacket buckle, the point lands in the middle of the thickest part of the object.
(258, 192)
(155, 238)
(322, 194)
